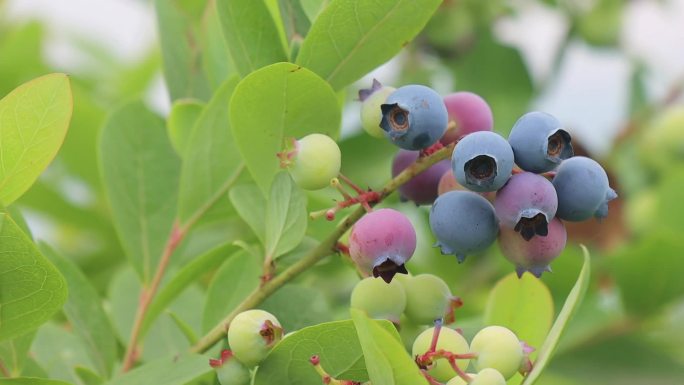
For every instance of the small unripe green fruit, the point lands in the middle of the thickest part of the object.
(498, 348)
(427, 298)
(371, 113)
(449, 340)
(317, 160)
(233, 373)
(379, 299)
(487, 376)
(252, 334)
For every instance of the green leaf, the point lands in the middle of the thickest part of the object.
(31, 288)
(295, 21)
(571, 304)
(352, 37)
(250, 204)
(13, 353)
(273, 104)
(184, 328)
(216, 61)
(286, 216)
(178, 34)
(251, 34)
(386, 359)
(167, 371)
(87, 376)
(140, 173)
(236, 278)
(30, 381)
(84, 312)
(184, 278)
(58, 351)
(523, 305)
(298, 306)
(212, 162)
(184, 113)
(336, 343)
(34, 119)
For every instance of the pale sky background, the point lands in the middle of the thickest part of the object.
(590, 95)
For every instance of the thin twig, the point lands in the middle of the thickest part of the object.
(327, 247)
(147, 295)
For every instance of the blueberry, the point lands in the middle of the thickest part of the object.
(527, 203)
(463, 223)
(379, 299)
(468, 113)
(536, 254)
(252, 334)
(498, 348)
(449, 340)
(539, 143)
(316, 160)
(230, 371)
(428, 298)
(486, 376)
(371, 114)
(582, 187)
(414, 117)
(381, 242)
(482, 161)
(421, 189)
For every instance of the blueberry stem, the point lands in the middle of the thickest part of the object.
(435, 335)
(324, 249)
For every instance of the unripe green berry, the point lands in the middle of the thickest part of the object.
(371, 113)
(487, 376)
(317, 160)
(379, 299)
(229, 370)
(449, 340)
(252, 334)
(427, 298)
(499, 348)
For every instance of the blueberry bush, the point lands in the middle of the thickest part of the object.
(297, 216)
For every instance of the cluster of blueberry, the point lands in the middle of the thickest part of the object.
(441, 352)
(480, 196)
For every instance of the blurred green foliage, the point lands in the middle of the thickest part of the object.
(629, 329)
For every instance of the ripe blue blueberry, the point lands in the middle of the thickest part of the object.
(482, 161)
(414, 117)
(526, 204)
(582, 187)
(539, 143)
(463, 223)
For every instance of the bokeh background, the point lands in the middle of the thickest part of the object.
(611, 70)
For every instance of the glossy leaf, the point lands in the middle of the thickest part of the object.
(84, 312)
(250, 204)
(167, 371)
(184, 113)
(184, 278)
(569, 307)
(140, 174)
(286, 216)
(350, 38)
(336, 343)
(251, 34)
(31, 288)
(34, 119)
(386, 360)
(236, 278)
(276, 103)
(523, 305)
(178, 27)
(212, 161)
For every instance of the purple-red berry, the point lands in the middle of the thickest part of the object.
(536, 254)
(381, 242)
(423, 188)
(468, 113)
